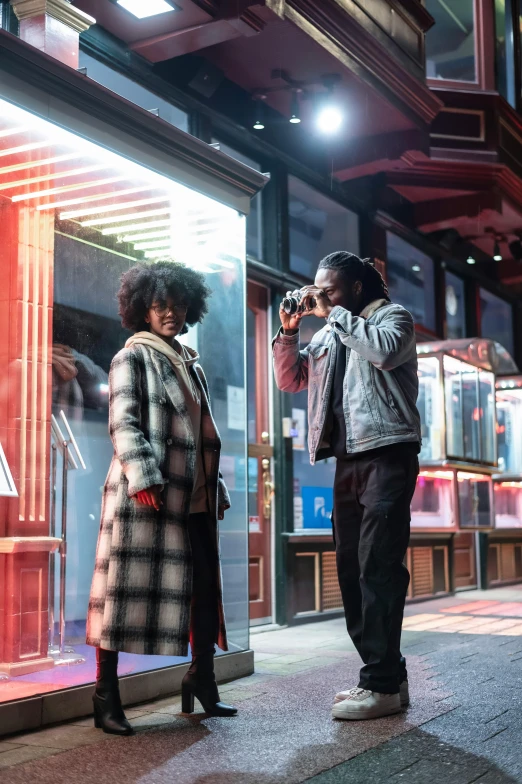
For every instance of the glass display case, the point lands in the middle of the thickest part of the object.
(458, 456)
(508, 483)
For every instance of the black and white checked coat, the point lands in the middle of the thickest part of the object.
(142, 584)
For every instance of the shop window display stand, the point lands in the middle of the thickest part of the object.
(71, 460)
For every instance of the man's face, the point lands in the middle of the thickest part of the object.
(339, 290)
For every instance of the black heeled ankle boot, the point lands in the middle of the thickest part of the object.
(108, 711)
(200, 682)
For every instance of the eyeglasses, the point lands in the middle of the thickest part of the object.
(175, 310)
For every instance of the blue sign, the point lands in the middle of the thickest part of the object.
(317, 507)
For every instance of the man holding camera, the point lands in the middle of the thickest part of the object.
(361, 374)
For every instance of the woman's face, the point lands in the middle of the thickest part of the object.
(166, 319)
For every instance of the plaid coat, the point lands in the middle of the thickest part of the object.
(142, 584)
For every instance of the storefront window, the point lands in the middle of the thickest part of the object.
(74, 218)
(455, 307)
(317, 226)
(475, 500)
(411, 280)
(450, 43)
(313, 485)
(255, 218)
(430, 409)
(496, 319)
(134, 92)
(432, 504)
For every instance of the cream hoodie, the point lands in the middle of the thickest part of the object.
(182, 363)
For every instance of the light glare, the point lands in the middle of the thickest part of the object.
(142, 9)
(329, 119)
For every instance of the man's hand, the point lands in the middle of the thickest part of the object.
(150, 497)
(323, 306)
(290, 323)
(221, 512)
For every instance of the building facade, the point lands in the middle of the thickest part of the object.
(422, 174)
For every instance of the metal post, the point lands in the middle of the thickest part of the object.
(63, 545)
(52, 557)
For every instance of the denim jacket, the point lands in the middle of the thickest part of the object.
(380, 385)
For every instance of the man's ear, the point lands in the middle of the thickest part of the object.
(357, 288)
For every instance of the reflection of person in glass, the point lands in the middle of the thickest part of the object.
(157, 574)
(361, 374)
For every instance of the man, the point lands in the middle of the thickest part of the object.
(361, 374)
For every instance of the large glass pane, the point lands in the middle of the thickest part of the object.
(453, 392)
(455, 307)
(74, 218)
(255, 218)
(318, 226)
(411, 280)
(509, 428)
(134, 92)
(430, 408)
(488, 435)
(313, 485)
(496, 319)
(500, 47)
(470, 412)
(474, 500)
(450, 43)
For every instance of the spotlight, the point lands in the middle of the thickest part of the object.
(329, 119)
(497, 255)
(294, 110)
(259, 122)
(471, 260)
(416, 268)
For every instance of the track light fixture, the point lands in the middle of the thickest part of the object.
(497, 255)
(327, 114)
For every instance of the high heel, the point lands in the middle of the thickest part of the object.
(108, 710)
(200, 682)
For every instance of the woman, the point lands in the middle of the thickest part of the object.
(157, 573)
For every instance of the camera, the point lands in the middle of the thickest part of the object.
(293, 304)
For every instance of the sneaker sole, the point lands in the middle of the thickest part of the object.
(404, 704)
(374, 714)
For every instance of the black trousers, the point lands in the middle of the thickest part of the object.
(372, 496)
(204, 621)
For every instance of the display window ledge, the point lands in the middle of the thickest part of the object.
(67, 704)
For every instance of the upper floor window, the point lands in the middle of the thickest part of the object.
(411, 280)
(317, 226)
(451, 42)
(134, 92)
(496, 319)
(455, 307)
(254, 223)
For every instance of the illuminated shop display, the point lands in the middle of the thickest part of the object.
(74, 217)
(508, 482)
(459, 433)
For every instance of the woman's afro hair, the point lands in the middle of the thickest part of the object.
(145, 284)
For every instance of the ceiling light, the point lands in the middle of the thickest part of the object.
(150, 235)
(38, 163)
(142, 9)
(294, 111)
(96, 210)
(497, 255)
(329, 119)
(259, 121)
(97, 197)
(471, 260)
(51, 176)
(166, 243)
(65, 189)
(416, 268)
(24, 148)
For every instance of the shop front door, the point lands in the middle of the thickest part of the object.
(260, 451)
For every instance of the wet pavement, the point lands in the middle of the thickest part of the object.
(464, 725)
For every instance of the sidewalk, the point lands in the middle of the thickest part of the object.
(464, 725)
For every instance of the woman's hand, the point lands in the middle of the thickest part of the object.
(323, 306)
(150, 497)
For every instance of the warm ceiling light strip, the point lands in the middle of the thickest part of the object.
(16, 167)
(65, 189)
(51, 176)
(150, 235)
(96, 197)
(166, 243)
(113, 207)
(24, 148)
(13, 131)
(119, 218)
(136, 227)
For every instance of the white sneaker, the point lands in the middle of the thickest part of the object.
(363, 704)
(404, 695)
